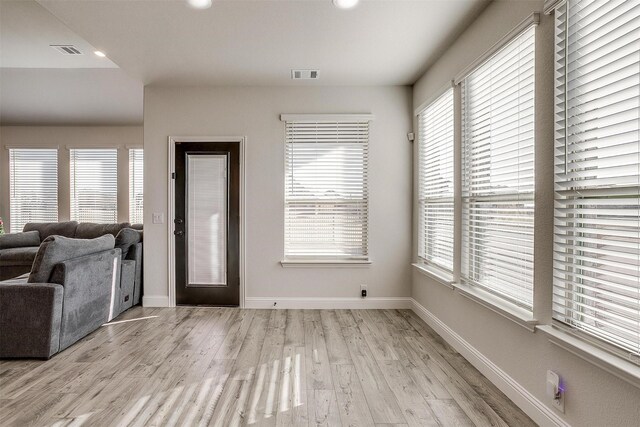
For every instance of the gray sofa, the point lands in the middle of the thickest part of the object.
(71, 291)
(18, 251)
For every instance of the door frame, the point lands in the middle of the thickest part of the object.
(171, 208)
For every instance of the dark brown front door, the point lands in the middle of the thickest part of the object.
(207, 223)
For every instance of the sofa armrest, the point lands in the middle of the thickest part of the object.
(91, 285)
(30, 316)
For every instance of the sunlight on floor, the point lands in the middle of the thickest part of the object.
(129, 320)
(201, 398)
(77, 421)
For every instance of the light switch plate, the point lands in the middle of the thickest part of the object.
(158, 218)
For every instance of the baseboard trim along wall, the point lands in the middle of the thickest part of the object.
(534, 408)
(155, 301)
(328, 303)
(303, 302)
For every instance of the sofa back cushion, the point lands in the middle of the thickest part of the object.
(20, 240)
(56, 249)
(46, 229)
(91, 230)
(126, 238)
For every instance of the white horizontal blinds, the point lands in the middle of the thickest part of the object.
(136, 185)
(94, 185)
(326, 199)
(435, 239)
(207, 219)
(596, 286)
(498, 172)
(33, 186)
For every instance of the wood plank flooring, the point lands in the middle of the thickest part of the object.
(228, 367)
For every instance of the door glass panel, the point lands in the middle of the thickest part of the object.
(207, 219)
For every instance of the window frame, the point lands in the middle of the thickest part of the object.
(516, 197)
(133, 185)
(590, 342)
(73, 189)
(12, 217)
(429, 265)
(293, 260)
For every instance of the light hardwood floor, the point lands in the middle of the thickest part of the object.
(225, 367)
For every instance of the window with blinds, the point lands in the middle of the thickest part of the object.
(326, 199)
(435, 183)
(33, 186)
(498, 172)
(596, 280)
(94, 185)
(136, 187)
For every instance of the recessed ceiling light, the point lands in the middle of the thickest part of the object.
(199, 4)
(345, 4)
(99, 53)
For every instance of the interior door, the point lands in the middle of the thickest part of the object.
(207, 223)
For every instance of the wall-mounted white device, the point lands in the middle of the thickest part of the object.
(555, 390)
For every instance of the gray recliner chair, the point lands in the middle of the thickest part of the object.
(70, 292)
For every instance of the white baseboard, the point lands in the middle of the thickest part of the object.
(303, 302)
(155, 301)
(531, 405)
(328, 303)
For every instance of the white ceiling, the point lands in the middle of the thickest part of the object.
(40, 86)
(249, 42)
(235, 42)
(26, 32)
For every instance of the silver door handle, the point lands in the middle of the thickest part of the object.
(178, 232)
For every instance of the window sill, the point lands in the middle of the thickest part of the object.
(317, 263)
(440, 276)
(611, 363)
(510, 311)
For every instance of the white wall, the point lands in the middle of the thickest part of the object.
(65, 137)
(254, 112)
(593, 396)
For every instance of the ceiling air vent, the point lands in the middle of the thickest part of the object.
(66, 49)
(305, 74)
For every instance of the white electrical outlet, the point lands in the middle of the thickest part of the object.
(555, 390)
(363, 291)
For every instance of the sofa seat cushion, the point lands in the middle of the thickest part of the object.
(91, 230)
(20, 240)
(18, 256)
(46, 229)
(56, 249)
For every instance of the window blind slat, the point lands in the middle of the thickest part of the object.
(94, 185)
(33, 186)
(435, 176)
(596, 280)
(326, 195)
(498, 172)
(136, 185)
